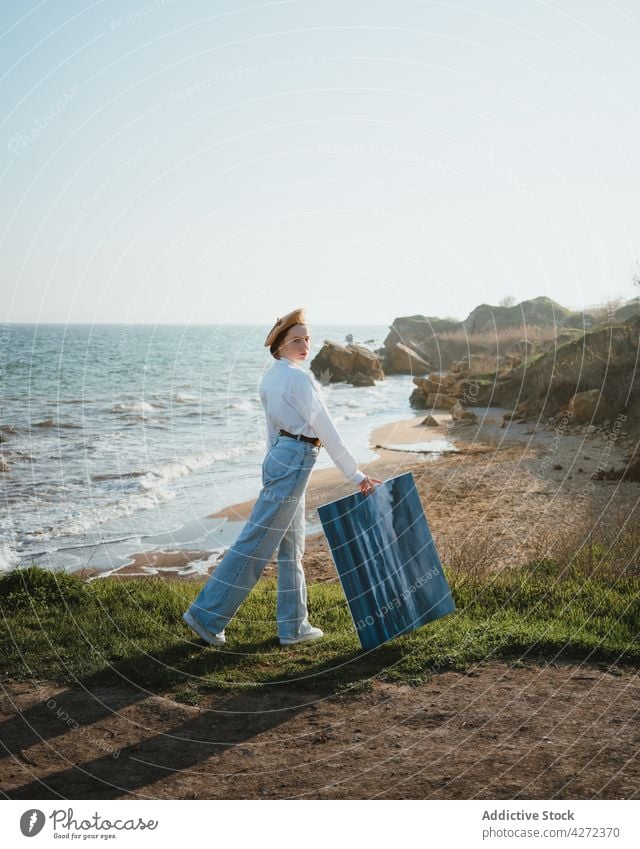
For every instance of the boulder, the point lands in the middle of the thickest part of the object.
(345, 364)
(462, 416)
(433, 391)
(444, 402)
(419, 396)
(520, 414)
(431, 400)
(434, 383)
(584, 406)
(440, 382)
(417, 334)
(365, 362)
(418, 400)
(361, 379)
(400, 359)
(467, 418)
(429, 421)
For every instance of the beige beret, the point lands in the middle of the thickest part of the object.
(284, 323)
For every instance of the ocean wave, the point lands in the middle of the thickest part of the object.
(185, 398)
(83, 546)
(118, 476)
(246, 405)
(214, 414)
(146, 491)
(136, 407)
(200, 567)
(52, 423)
(347, 417)
(196, 462)
(8, 557)
(149, 424)
(55, 401)
(94, 516)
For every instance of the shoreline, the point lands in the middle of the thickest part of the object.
(492, 494)
(328, 484)
(325, 485)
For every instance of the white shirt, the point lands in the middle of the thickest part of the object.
(292, 401)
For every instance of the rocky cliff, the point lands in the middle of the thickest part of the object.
(606, 359)
(494, 330)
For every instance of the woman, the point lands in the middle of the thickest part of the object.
(298, 423)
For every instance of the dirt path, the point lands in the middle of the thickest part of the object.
(568, 732)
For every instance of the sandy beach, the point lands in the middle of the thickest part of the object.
(495, 496)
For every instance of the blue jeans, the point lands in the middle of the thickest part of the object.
(276, 523)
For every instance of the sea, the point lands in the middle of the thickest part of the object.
(117, 439)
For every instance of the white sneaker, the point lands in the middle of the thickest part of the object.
(212, 639)
(310, 634)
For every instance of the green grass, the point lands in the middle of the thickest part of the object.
(56, 627)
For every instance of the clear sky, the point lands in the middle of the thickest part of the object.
(191, 161)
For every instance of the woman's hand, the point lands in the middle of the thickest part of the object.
(368, 484)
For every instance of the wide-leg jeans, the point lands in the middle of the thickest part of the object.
(276, 523)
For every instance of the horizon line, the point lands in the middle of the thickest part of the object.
(172, 323)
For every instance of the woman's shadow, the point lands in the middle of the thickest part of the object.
(225, 721)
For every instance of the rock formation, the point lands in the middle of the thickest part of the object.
(497, 331)
(410, 336)
(353, 364)
(400, 359)
(595, 378)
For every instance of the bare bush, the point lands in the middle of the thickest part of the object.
(503, 337)
(592, 543)
(472, 554)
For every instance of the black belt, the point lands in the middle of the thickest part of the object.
(312, 439)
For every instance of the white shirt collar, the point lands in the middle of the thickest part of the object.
(287, 362)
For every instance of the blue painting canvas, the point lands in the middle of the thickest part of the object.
(386, 560)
